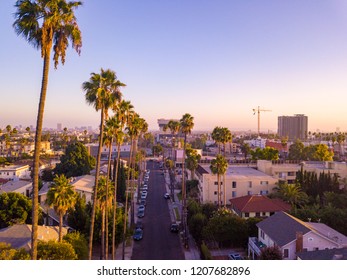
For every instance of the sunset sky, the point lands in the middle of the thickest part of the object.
(216, 60)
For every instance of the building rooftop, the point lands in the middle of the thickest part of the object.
(258, 203)
(12, 186)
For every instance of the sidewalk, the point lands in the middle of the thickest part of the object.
(192, 253)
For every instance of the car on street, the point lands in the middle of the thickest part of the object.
(167, 196)
(143, 196)
(140, 213)
(139, 224)
(138, 234)
(143, 202)
(175, 228)
(234, 256)
(141, 207)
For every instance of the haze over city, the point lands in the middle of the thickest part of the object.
(216, 60)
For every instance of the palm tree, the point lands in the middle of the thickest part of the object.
(136, 126)
(123, 111)
(192, 161)
(292, 194)
(103, 92)
(186, 126)
(104, 198)
(219, 166)
(63, 197)
(225, 137)
(46, 24)
(112, 126)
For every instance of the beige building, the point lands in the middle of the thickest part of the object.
(288, 171)
(15, 172)
(239, 181)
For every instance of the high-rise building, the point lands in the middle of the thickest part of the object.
(293, 127)
(59, 127)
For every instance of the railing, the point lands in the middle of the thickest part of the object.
(255, 245)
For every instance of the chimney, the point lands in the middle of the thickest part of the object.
(299, 242)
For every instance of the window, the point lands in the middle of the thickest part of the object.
(249, 193)
(215, 193)
(264, 182)
(216, 183)
(291, 173)
(262, 234)
(250, 184)
(234, 194)
(246, 215)
(285, 253)
(234, 184)
(257, 214)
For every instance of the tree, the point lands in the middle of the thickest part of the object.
(296, 150)
(79, 243)
(62, 197)
(192, 161)
(186, 126)
(218, 167)
(45, 24)
(102, 91)
(52, 250)
(268, 153)
(75, 162)
(292, 194)
(271, 253)
(9, 253)
(15, 208)
(79, 216)
(246, 149)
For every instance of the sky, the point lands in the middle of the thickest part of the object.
(216, 60)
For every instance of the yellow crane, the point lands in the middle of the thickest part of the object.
(258, 110)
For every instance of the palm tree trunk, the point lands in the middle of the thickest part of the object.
(126, 202)
(106, 202)
(184, 195)
(97, 171)
(102, 256)
(60, 227)
(115, 205)
(38, 133)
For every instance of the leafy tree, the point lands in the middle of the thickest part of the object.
(292, 194)
(157, 149)
(9, 253)
(62, 196)
(296, 150)
(196, 225)
(75, 162)
(78, 217)
(271, 253)
(46, 24)
(15, 208)
(268, 153)
(79, 243)
(53, 250)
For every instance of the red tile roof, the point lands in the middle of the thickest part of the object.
(258, 203)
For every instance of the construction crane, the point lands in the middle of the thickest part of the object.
(258, 110)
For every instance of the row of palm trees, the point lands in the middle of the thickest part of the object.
(50, 25)
(219, 165)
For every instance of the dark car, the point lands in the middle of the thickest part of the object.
(141, 213)
(138, 234)
(234, 256)
(174, 228)
(139, 225)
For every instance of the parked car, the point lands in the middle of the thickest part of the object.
(141, 207)
(143, 202)
(141, 213)
(139, 224)
(143, 196)
(138, 234)
(166, 196)
(234, 256)
(174, 228)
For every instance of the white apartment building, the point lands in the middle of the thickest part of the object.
(239, 181)
(15, 172)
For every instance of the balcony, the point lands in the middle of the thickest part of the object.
(255, 246)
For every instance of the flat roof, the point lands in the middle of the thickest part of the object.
(239, 171)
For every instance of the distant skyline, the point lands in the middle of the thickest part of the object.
(216, 60)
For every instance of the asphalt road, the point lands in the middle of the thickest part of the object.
(158, 242)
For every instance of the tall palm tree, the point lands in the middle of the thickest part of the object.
(122, 112)
(103, 92)
(63, 197)
(136, 126)
(186, 126)
(46, 24)
(225, 138)
(104, 198)
(112, 126)
(219, 166)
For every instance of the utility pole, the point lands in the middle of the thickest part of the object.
(258, 110)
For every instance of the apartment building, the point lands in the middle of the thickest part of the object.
(239, 181)
(293, 127)
(15, 172)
